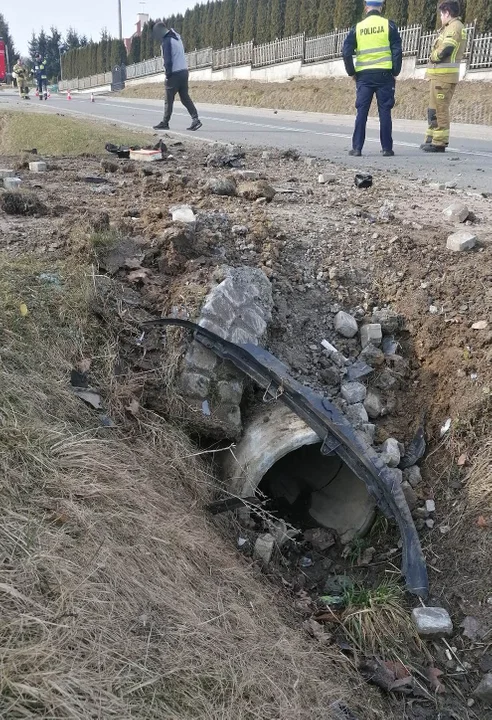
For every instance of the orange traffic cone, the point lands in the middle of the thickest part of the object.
(69, 95)
(92, 97)
(37, 92)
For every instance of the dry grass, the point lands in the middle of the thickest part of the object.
(52, 135)
(118, 598)
(472, 102)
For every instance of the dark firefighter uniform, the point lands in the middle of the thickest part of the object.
(443, 71)
(376, 44)
(41, 77)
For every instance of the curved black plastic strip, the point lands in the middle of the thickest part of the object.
(326, 420)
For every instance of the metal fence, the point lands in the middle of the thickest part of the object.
(478, 54)
(278, 51)
(233, 56)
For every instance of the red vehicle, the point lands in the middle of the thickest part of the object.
(3, 62)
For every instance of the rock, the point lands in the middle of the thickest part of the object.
(228, 156)
(421, 513)
(324, 179)
(436, 186)
(109, 166)
(221, 186)
(430, 506)
(320, 538)
(239, 230)
(451, 184)
(386, 380)
(480, 325)
(432, 622)
(388, 319)
(290, 154)
(395, 474)
(263, 549)
(372, 355)
(353, 392)
(430, 523)
(246, 175)
(6, 172)
(472, 628)
(255, 190)
(266, 155)
(336, 584)
(182, 213)
(371, 334)
(358, 370)
(310, 161)
(38, 166)
(457, 212)
(410, 495)
(373, 405)
(346, 325)
(357, 414)
(461, 240)
(390, 452)
(12, 183)
(370, 432)
(412, 475)
(331, 376)
(484, 690)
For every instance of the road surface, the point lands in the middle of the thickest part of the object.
(468, 161)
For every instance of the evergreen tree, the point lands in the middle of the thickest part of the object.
(84, 41)
(396, 10)
(481, 10)
(134, 54)
(263, 22)
(309, 16)
(277, 19)
(238, 34)
(227, 22)
(422, 12)
(72, 39)
(250, 14)
(326, 15)
(347, 12)
(9, 43)
(292, 17)
(53, 54)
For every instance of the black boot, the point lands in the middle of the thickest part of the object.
(195, 124)
(163, 125)
(429, 147)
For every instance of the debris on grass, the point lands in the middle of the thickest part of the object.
(22, 203)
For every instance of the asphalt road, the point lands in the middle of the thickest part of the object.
(468, 161)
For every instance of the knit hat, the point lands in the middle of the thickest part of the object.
(374, 3)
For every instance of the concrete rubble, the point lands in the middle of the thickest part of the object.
(346, 325)
(461, 240)
(432, 622)
(263, 548)
(457, 212)
(484, 690)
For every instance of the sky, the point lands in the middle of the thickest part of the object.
(88, 17)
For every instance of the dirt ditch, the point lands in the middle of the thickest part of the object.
(323, 246)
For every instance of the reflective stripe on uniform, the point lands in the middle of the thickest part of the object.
(381, 61)
(385, 48)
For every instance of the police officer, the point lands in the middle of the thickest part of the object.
(176, 69)
(443, 71)
(21, 73)
(41, 77)
(376, 44)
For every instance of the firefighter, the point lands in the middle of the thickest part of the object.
(376, 44)
(21, 73)
(443, 71)
(41, 76)
(176, 68)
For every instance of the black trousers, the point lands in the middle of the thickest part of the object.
(178, 83)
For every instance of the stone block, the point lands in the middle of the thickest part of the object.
(200, 358)
(412, 475)
(213, 327)
(396, 475)
(372, 355)
(195, 385)
(12, 183)
(356, 414)
(373, 405)
(371, 334)
(432, 622)
(410, 494)
(353, 392)
(230, 391)
(38, 166)
(461, 240)
(230, 415)
(390, 452)
(241, 336)
(263, 548)
(456, 212)
(430, 506)
(310, 161)
(484, 690)
(6, 172)
(346, 325)
(370, 431)
(182, 213)
(254, 321)
(388, 319)
(219, 309)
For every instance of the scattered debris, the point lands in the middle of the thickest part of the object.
(433, 676)
(182, 213)
(228, 156)
(320, 538)
(457, 212)
(256, 190)
(472, 628)
(346, 325)
(371, 334)
(416, 448)
(363, 180)
(484, 690)
(353, 392)
(446, 427)
(430, 506)
(432, 622)
(91, 397)
(18, 203)
(143, 155)
(480, 325)
(388, 675)
(12, 183)
(221, 186)
(39, 166)
(263, 549)
(462, 240)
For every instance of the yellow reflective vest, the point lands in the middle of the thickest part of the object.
(373, 50)
(452, 35)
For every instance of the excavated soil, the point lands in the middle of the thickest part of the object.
(325, 247)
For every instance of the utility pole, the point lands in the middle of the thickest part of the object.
(120, 22)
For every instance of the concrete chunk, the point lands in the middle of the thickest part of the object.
(390, 452)
(373, 405)
(345, 324)
(371, 334)
(408, 491)
(484, 691)
(432, 622)
(353, 392)
(39, 166)
(461, 240)
(357, 414)
(263, 549)
(456, 212)
(12, 183)
(6, 172)
(182, 213)
(413, 475)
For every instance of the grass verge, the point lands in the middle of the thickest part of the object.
(53, 135)
(472, 102)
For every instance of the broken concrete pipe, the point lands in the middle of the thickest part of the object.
(280, 455)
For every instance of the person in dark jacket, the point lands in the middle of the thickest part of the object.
(41, 76)
(176, 69)
(376, 44)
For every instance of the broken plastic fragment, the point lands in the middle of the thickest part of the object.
(206, 408)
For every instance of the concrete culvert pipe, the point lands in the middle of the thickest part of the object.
(280, 455)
